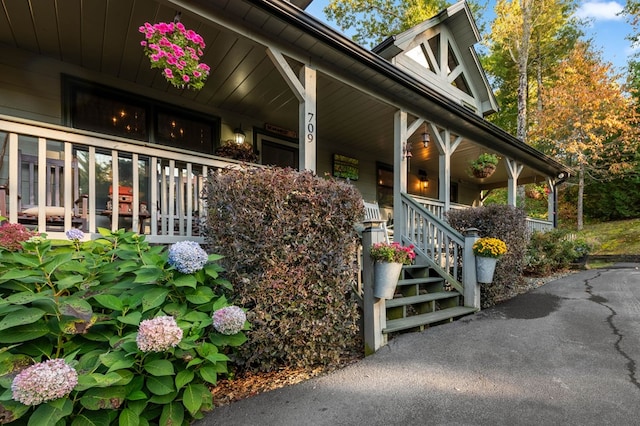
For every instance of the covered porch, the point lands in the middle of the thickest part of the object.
(303, 94)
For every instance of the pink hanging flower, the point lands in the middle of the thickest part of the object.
(177, 51)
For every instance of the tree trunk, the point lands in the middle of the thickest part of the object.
(523, 63)
(580, 196)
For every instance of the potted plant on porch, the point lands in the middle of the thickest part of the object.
(487, 250)
(484, 165)
(389, 258)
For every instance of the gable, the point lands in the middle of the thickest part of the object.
(440, 52)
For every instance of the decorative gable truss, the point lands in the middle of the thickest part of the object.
(439, 56)
(440, 52)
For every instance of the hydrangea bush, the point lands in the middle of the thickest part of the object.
(109, 332)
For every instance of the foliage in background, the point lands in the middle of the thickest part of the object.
(375, 20)
(533, 199)
(588, 123)
(554, 251)
(135, 332)
(508, 224)
(527, 39)
(290, 250)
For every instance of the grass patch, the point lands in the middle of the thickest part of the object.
(613, 238)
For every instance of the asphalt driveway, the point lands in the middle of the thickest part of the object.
(566, 353)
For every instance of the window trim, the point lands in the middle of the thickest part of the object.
(151, 106)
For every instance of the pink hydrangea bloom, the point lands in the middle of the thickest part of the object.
(12, 235)
(158, 334)
(44, 382)
(229, 320)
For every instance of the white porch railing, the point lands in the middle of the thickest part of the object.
(166, 182)
(434, 240)
(538, 225)
(436, 208)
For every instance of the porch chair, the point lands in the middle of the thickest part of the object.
(372, 214)
(28, 206)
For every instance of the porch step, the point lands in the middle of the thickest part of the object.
(426, 280)
(411, 300)
(425, 319)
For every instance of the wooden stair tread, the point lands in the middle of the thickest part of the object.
(424, 319)
(415, 267)
(425, 280)
(410, 300)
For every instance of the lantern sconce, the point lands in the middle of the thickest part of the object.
(238, 135)
(407, 150)
(424, 180)
(425, 137)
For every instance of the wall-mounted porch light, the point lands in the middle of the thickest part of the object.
(424, 180)
(406, 150)
(425, 137)
(239, 135)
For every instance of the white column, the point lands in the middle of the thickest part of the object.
(307, 121)
(445, 149)
(304, 89)
(513, 171)
(551, 200)
(400, 169)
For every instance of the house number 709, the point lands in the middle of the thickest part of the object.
(310, 128)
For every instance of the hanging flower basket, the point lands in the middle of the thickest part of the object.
(484, 172)
(177, 52)
(484, 165)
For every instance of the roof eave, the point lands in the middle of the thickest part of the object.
(327, 35)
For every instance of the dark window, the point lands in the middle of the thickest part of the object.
(110, 111)
(188, 133)
(100, 113)
(384, 185)
(275, 154)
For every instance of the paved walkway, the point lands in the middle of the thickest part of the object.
(566, 353)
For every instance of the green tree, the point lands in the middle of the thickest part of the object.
(587, 121)
(375, 20)
(528, 38)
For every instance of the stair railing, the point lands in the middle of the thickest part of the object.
(435, 241)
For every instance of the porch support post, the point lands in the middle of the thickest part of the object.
(400, 169)
(552, 200)
(513, 170)
(14, 170)
(304, 89)
(471, 286)
(307, 120)
(374, 309)
(445, 149)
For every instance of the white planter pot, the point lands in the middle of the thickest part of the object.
(385, 279)
(485, 267)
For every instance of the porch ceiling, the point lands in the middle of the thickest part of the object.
(103, 37)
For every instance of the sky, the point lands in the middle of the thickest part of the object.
(606, 29)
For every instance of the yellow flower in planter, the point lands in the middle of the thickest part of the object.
(489, 247)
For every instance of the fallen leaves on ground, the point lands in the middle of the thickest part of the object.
(247, 384)
(250, 384)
